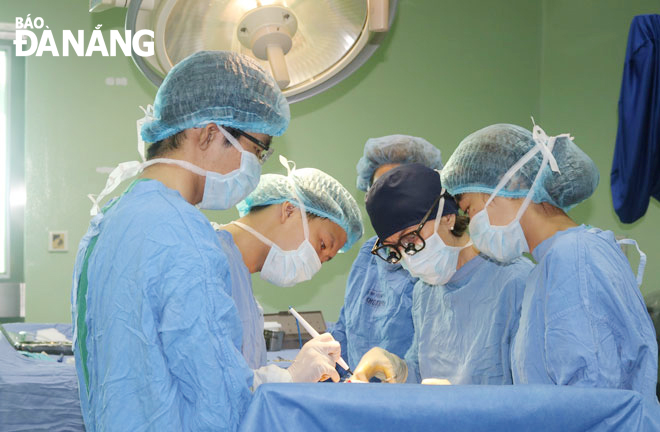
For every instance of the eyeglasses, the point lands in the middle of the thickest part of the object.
(266, 151)
(410, 243)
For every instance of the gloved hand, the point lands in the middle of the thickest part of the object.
(381, 364)
(316, 360)
(436, 381)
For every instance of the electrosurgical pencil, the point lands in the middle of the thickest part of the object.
(314, 333)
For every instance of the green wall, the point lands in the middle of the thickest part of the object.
(446, 69)
(584, 46)
(74, 123)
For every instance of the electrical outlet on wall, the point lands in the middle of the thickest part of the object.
(58, 241)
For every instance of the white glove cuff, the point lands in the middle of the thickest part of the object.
(270, 373)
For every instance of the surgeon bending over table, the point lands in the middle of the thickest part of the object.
(157, 335)
(465, 305)
(583, 320)
(378, 299)
(289, 226)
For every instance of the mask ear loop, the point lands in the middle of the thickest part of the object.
(508, 176)
(254, 232)
(122, 172)
(642, 259)
(126, 170)
(545, 145)
(232, 140)
(441, 208)
(290, 168)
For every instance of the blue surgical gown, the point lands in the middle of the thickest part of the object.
(635, 175)
(583, 319)
(163, 336)
(376, 309)
(464, 329)
(252, 317)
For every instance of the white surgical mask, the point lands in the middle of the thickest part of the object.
(437, 262)
(221, 191)
(288, 268)
(508, 242)
(503, 243)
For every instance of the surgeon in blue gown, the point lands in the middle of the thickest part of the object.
(157, 336)
(272, 213)
(465, 305)
(378, 299)
(583, 319)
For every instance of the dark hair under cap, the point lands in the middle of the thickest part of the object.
(401, 197)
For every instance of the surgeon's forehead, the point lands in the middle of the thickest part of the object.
(462, 200)
(335, 231)
(467, 199)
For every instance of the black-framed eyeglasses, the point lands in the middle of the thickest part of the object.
(410, 243)
(266, 151)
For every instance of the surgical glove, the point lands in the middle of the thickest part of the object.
(268, 374)
(382, 364)
(316, 360)
(435, 381)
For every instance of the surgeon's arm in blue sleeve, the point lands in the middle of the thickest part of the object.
(412, 355)
(198, 329)
(412, 360)
(571, 348)
(338, 332)
(586, 349)
(356, 278)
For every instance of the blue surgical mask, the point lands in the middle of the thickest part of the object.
(224, 191)
(508, 242)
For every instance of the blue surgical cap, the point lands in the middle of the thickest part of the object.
(482, 158)
(401, 197)
(221, 87)
(391, 149)
(321, 194)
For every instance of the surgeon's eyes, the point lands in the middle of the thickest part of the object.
(409, 239)
(322, 245)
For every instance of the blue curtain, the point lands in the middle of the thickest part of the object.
(635, 173)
